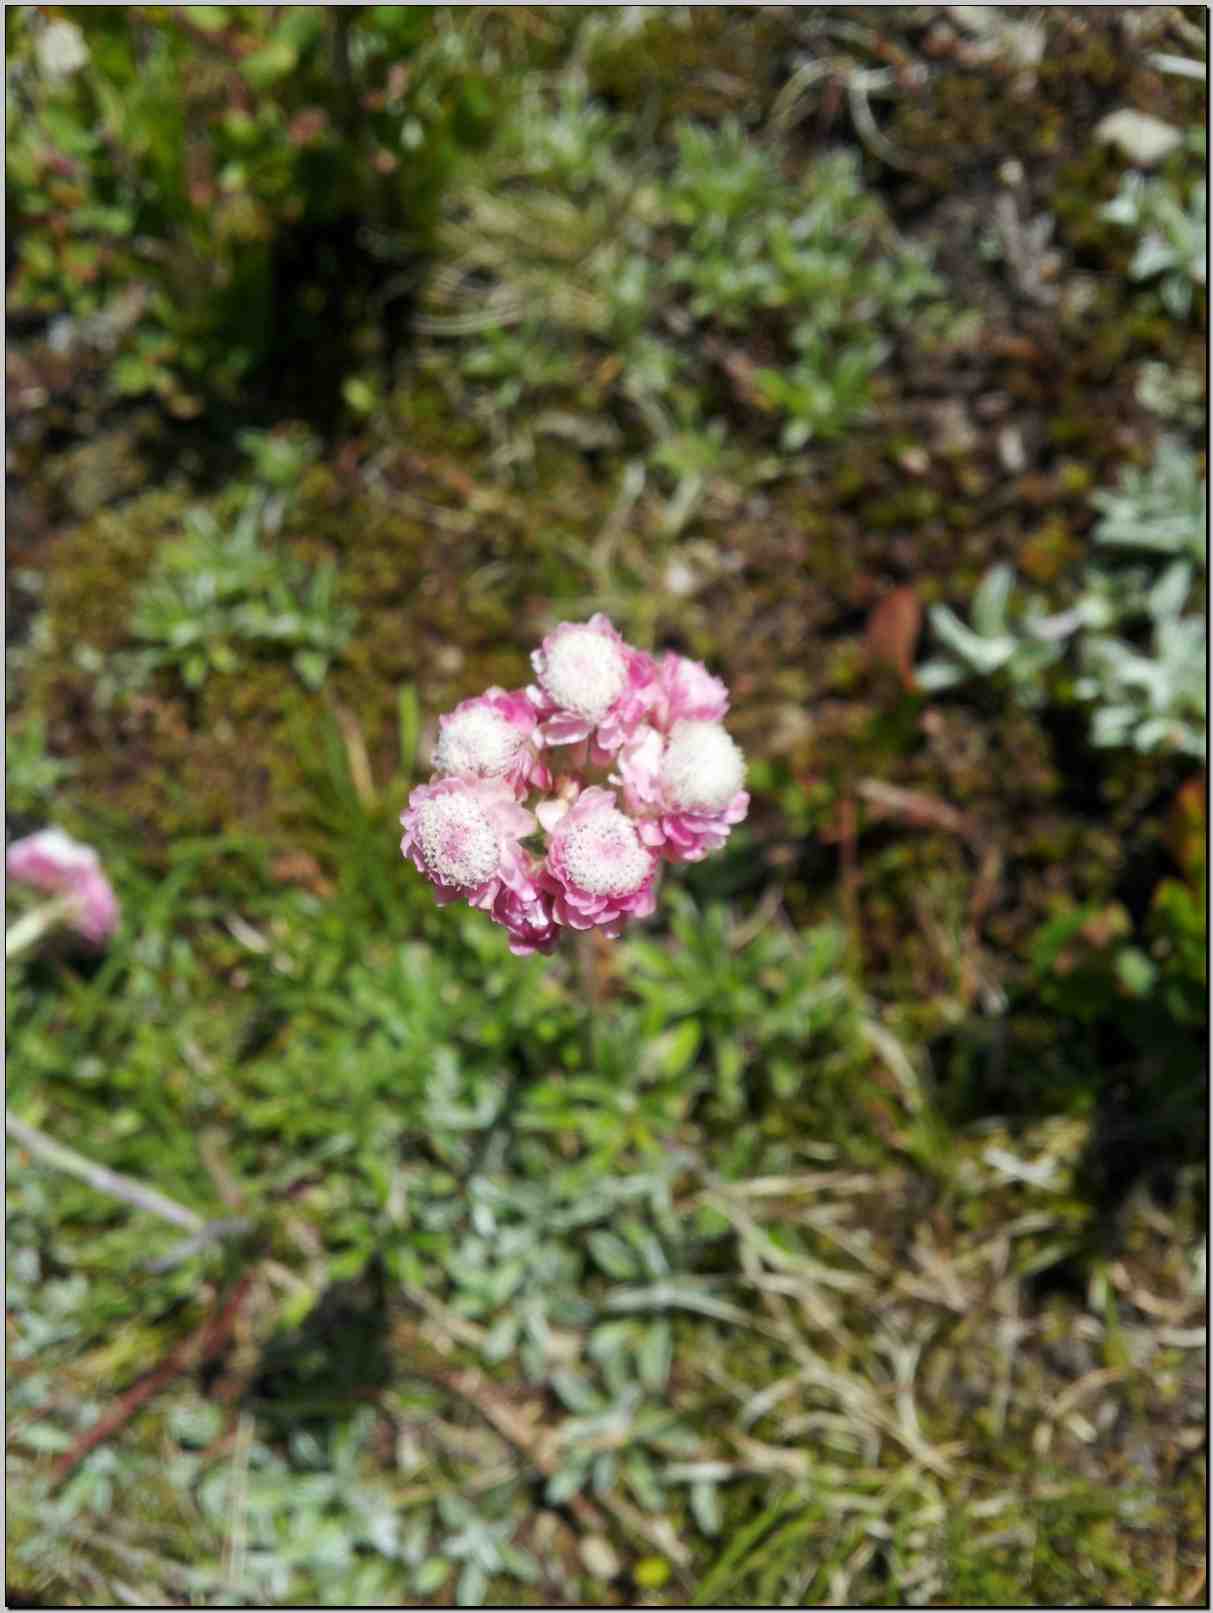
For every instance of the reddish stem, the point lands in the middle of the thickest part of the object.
(200, 1345)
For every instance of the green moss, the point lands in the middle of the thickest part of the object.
(1046, 553)
(451, 581)
(911, 506)
(671, 67)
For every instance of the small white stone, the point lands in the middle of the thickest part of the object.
(599, 1557)
(1011, 450)
(61, 50)
(680, 579)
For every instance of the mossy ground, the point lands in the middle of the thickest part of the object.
(989, 1389)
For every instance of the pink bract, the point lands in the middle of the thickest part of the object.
(591, 684)
(52, 861)
(527, 916)
(493, 736)
(687, 690)
(463, 834)
(684, 788)
(598, 870)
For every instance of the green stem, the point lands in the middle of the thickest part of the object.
(587, 961)
(32, 926)
(100, 1177)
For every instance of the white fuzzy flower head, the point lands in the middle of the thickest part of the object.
(603, 856)
(584, 672)
(457, 841)
(702, 769)
(479, 741)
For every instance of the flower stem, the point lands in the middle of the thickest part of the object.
(100, 1177)
(32, 926)
(590, 959)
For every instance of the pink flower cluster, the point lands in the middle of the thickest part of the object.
(653, 725)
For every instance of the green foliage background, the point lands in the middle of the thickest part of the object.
(838, 1235)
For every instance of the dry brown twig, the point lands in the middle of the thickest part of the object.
(205, 1342)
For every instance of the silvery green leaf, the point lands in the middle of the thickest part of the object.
(454, 1510)
(613, 1254)
(705, 1505)
(1181, 66)
(610, 1340)
(414, 1539)
(472, 1586)
(1097, 611)
(648, 1245)
(195, 1422)
(575, 1392)
(45, 1437)
(1111, 725)
(382, 1530)
(506, 1280)
(982, 654)
(674, 1052)
(991, 600)
(501, 1339)
(1177, 296)
(698, 1472)
(565, 1484)
(1123, 208)
(213, 1493)
(655, 1355)
(685, 1294)
(1155, 734)
(534, 1360)
(520, 1563)
(642, 1481)
(605, 1471)
(1168, 594)
(939, 675)
(1052, 629)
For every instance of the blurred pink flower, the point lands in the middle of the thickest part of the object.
(52, 861)
(685, 788)
(492, 736)
(463, 834)
(590, 685)
(597, 869)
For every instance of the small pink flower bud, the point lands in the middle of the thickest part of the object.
(527, 915)
(52, 861)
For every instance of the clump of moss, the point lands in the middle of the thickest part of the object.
(450, 584)
(706, 66)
